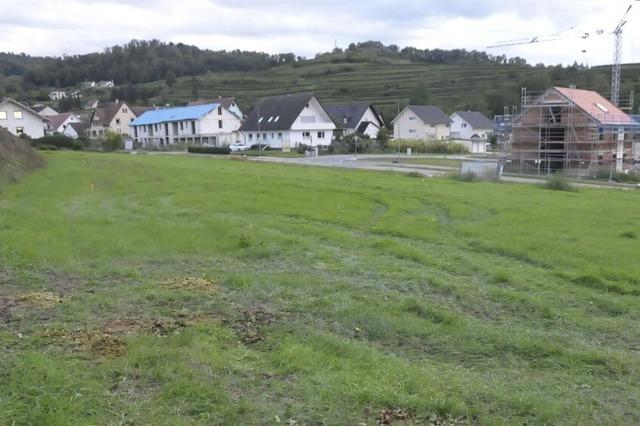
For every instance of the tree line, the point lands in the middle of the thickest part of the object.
(142, 61)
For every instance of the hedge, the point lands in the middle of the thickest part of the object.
(209, 150)
(58, 141)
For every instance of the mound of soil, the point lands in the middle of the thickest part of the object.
(17, 158)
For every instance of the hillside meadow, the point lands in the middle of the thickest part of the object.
(157, 289)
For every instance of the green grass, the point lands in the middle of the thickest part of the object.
(337, 294)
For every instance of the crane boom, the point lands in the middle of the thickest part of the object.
(616, 72)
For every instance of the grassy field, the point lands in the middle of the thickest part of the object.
(184, 290)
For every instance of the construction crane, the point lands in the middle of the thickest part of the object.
(572, 34)
(569, 34)
(617, 58)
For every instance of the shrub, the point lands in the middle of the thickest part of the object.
(467, 177)
(112, 142)
(57, 141)
(434, 147)
(631, 177)
(224, 150)
(629, 235)
(558, 182)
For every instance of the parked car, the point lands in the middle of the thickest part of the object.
(238, 146)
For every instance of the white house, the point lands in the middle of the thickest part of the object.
(356, 117)
(56, 95)
(107, 84)
(45, 110)
(208, 124)
(58, 123)
(427, 123)
(288, 121)
(227, 103)
(74, 130)
(18, 119)
(471, 128)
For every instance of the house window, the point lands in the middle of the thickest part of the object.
(306, 135)
(280, 136)
(260, 119)
(17, 115)
(193, 127)
(258, 136)
(412, 118)
(219, 110)
(219, 124)
(276, 119)
(432, 126)
(117, 121)
(412, 131)
(181, 125)
(464, 125)
(124, 110)
(3, 115)
(19, 131)
(264, 136)
(320, 135)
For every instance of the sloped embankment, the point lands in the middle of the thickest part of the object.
(17, 158)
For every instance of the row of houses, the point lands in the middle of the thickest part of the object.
(283, 122)
(560, 128)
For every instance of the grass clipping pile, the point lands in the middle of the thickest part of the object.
(17, 158)
(195, 284)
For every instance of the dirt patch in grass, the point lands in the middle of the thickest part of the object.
(249, 325)
(390, 416)
(6, 304)
(195, 284)
(41, 299)
(97, 343)
(156, 326)
(107, 345)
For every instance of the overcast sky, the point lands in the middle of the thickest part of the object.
(56, 27)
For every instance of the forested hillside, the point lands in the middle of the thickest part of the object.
(154, 72)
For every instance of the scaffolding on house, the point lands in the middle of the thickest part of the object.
(552, 134)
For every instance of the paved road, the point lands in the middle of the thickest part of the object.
(384, 162)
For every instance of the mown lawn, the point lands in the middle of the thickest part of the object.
(187, 290)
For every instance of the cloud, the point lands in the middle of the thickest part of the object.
(55, 27)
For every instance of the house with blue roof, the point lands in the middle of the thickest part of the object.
(209, 124)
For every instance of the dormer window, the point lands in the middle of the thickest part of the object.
(270, 120)
(260, 119)
(276, 119)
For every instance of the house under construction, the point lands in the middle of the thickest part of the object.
(573, 130)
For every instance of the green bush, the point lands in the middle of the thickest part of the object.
(606, 174)
(559, 182)
(224, 150)
(434, 147)
(57, 141)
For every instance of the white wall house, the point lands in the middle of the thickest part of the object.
(18, 119)
(228, 103)
(470, 125)
(45, 110)
(427, 123)
(473, 129)
(288, 121)
(208, 124)
(355, 117)
(56, 95)
(58, 123)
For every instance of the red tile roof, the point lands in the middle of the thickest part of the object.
(596, 105)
